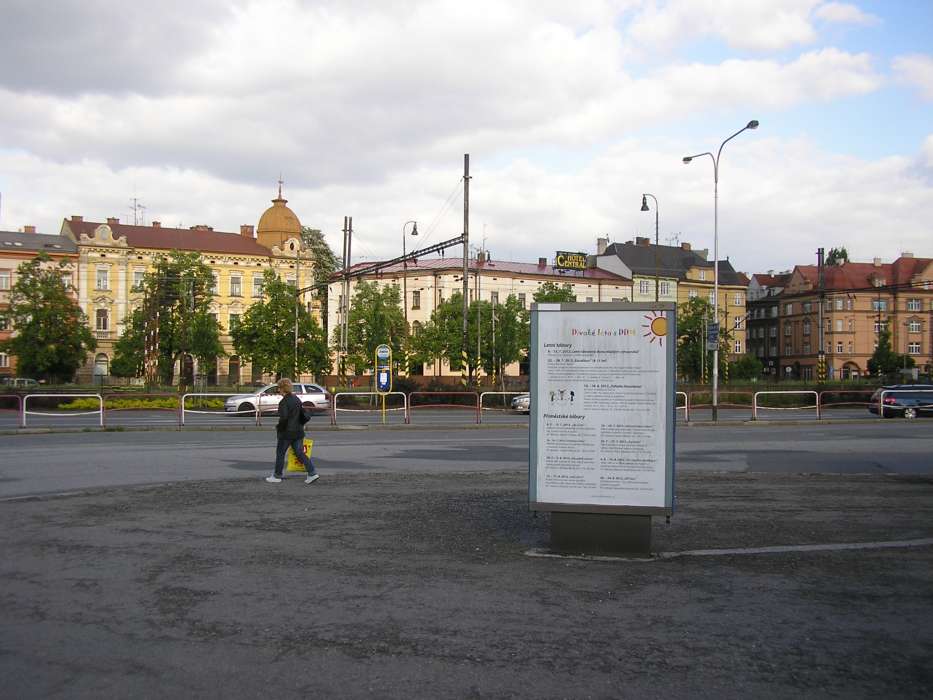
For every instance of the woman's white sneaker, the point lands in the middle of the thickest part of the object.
(273, 479)
(312, 478)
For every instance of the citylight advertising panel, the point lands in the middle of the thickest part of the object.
(602, 399)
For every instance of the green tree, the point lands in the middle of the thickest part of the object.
(442, 335)
(837, 256)
(884, 360)
(552, 292)
(692, 319)
(265, 335)
(178, 289)
(52, 337)
(324, 263)
(746, 367)
(511, 331)
(375, 317)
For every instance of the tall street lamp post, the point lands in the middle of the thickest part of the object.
(753, 124)
(657, 274)
(414, 232)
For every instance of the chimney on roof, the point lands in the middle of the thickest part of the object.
(642, 240)
(770, 273)
(112, 221)
(542, 262)
(601, 245)
(156, 224)
(876, 262)
(907, 254)
(246, 230)
(685, 246)
(75, 219)
(29, 229)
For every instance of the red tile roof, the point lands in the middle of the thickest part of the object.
(854, 275)
(163, 238)
(778, 280)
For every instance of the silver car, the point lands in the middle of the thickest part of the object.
(313, 397)
(522, 403)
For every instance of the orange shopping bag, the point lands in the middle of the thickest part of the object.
(293, 465)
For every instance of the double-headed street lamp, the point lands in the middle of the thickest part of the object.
(644, 207)
(414, 232)
(753, 124)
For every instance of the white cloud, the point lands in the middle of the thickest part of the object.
(746, 24)
(779, 201)
(916, 70)
(927, 152)
(843, 12)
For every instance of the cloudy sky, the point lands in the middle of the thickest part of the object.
(569, 111)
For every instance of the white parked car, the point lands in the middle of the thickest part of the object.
(313, 397)
(522, 403)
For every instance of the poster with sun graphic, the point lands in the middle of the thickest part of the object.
(602, 399)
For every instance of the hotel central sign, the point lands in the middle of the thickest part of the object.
(564, 260)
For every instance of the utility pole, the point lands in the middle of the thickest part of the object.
(341, 350)
(821, 358)
(297, 302)
(466, 265)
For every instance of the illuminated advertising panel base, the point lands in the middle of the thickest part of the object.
(602, 399)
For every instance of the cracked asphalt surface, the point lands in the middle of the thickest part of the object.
(401, 585)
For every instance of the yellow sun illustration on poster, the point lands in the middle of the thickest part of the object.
(656, 327)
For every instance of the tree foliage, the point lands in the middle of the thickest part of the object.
(552, 292)
(502, 340)
(692, 318)
(179, 290)
(375, 317)
(265, 335)
(837, 256)
(884, 360)
(52, 337)
(746, 367)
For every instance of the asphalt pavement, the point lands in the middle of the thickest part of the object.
(413, 569)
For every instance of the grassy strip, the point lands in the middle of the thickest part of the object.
(89, 404)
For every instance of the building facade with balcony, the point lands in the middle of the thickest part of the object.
(683, 273)
(17, 247)
(763, 322)
(847, 311)
(114, 257)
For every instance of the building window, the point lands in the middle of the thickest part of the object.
(234, 321)
(257, 286)
(5, 277)
(737, 300)
(103, 320)
(4, 323)
(215, 283)
(103, 276)
(914, 305)
(913, 348)
(4, 360)
(738, 347)
(712, 297)
(643, 287)
(665, 289)
(851, 345)
(807, 372)
(692, 294)
(788, 309)
(416, 300)
(494, 298)
(521, 299)
(914, 326)
(235, 290)
(839, 346)
(703, 275)
(839, 325)
(838, 304)
(291, 282)
(879, 325)
(851, 324)
(138, 279)
(879, 305)
(806, 327)
(806, 348)
(807, 306)
(773, 332)
(787, 330)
